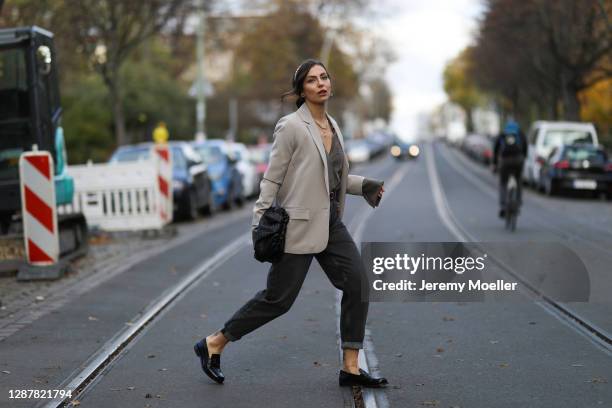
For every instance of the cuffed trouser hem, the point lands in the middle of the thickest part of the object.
(352, 345)
(228, 335)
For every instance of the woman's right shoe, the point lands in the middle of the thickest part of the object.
(363, 379)
(210, 365)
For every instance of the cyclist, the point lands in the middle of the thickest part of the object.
(508, 157)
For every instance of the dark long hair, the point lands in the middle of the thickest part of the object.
(297, 82)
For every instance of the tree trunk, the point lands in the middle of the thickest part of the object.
(571, 103)
(118, 113)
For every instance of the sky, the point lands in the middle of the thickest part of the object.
(424, 34)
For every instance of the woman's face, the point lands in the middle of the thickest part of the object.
(317, 85)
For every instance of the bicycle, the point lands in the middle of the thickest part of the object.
(512, 203)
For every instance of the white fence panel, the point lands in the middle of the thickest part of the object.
(117, 196)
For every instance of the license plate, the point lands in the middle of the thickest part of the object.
(585, 184)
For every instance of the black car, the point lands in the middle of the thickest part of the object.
(581, 167)
(191, 187)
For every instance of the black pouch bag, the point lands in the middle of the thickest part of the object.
(269, 235)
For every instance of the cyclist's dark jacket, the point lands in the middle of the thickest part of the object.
(498, 142)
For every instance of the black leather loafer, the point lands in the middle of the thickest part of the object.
(364, 379)
(211, 366)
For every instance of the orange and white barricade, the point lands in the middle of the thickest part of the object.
(38, 206)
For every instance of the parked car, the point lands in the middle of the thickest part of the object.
(403, 149)
(250, 181)
(378, 143)
(544, 136)
(225, 178)
(577, 167)
(479, 148)
(191, 188)
(260, 157)
(357, 150)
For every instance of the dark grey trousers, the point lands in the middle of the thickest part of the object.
(342, 264)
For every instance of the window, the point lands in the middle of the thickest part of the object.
(567, 136)
(14, 103)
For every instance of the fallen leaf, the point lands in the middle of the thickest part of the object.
(598, 380)
(503, 365)
(440, 350)
(74, 403)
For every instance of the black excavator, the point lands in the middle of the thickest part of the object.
(30, 114)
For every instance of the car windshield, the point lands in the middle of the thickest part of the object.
(131, 155)
(262, 155)
(585, 153)
(566, 136)
(210, 154)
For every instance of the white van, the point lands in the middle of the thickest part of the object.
(544, 136)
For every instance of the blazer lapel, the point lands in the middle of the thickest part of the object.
(306, 116)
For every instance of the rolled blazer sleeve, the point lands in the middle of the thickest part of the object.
(280, 157)
(366, 187)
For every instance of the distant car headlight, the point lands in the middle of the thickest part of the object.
(178, 185)
(396, 151)
(414, 150)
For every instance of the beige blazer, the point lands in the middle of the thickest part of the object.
(297, 177)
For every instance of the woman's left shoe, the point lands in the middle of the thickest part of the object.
(364, 379)
(210, 365)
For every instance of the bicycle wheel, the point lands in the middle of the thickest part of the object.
(511, 208)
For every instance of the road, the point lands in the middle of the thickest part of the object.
(441, 354)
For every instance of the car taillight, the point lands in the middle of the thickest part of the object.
(563, 164)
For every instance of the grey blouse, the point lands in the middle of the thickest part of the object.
(335, 159)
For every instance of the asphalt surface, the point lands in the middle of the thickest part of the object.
(441, 354)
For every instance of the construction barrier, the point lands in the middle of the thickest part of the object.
(127, 196)
(163, 165)
(40, 233)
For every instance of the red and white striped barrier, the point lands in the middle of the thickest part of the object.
(39, 208)
(163, 164)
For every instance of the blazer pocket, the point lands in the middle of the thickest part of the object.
(298, 213)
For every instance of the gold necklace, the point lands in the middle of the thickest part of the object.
(319, 125)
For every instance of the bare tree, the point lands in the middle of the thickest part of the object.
(110, 30)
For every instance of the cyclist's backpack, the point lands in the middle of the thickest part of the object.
(511, 145)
